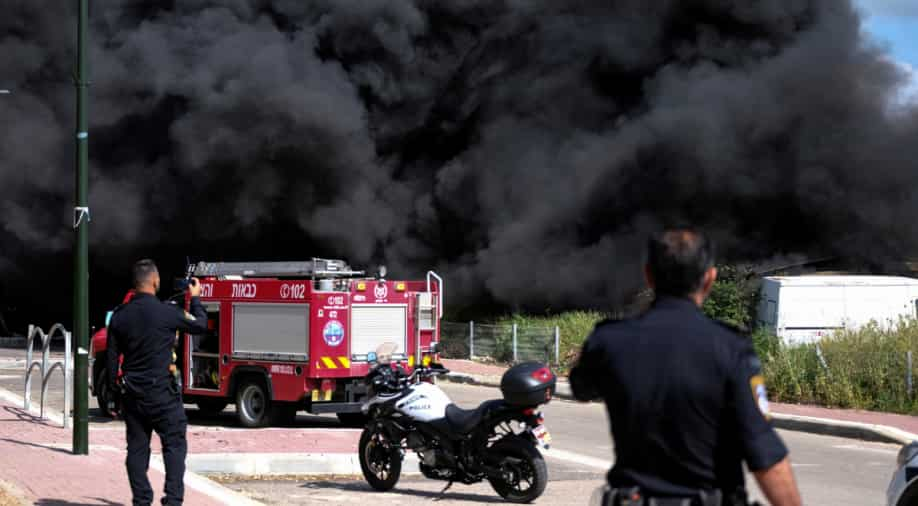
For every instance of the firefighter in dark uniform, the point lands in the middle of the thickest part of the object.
(684, 394)
(144, 330)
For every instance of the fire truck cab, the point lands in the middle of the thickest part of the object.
(290, 336)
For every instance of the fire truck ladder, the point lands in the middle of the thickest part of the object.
(315, 268)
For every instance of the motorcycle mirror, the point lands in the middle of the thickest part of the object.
(434, 348)
(371, 357)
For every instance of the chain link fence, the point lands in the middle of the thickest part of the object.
(503, 343)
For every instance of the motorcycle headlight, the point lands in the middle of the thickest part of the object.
(907, 453)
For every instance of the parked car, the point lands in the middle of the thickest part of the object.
(903, 489)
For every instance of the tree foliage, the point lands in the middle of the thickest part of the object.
(734, 296)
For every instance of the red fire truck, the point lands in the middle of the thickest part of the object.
(290, 336)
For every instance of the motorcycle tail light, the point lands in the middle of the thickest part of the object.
(542, 375)
(529, 412)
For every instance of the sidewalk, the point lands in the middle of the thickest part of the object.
(885, 427)
(38, 467)
(38, 463)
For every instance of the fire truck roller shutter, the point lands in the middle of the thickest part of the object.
(375, 324)
(271, 331)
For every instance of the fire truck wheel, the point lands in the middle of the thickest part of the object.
(253, 405)
(353, 419)
(211, 407)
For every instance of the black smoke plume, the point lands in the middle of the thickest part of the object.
(524, 148)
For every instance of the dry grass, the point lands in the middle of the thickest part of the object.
(863, 369)
(8, 497)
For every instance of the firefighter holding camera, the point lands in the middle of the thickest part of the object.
(144, 331)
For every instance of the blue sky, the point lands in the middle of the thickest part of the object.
(894, 22)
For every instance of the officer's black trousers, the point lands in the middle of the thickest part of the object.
(158, 408)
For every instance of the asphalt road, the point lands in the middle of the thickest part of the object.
(831, 471)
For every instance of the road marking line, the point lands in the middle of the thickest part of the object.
(34, 410)
(207, 487)
(887, 451)
(577, 458)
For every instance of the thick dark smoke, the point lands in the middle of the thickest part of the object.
(523, 147)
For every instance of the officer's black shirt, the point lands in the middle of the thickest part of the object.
(143, 330)
(685, 399)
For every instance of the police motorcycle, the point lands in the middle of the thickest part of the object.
(498, 441)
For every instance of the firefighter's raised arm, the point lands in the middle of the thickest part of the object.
(195, 319)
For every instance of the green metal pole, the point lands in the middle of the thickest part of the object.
(81, 247)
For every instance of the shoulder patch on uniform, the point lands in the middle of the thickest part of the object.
(760, 394)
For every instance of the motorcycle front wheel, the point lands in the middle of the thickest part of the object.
(523, 472)
(380, 459)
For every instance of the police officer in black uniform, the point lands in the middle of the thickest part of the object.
(684, 393)
(144, 330)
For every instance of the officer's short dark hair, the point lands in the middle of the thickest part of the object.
(143, 269)
(677, 259)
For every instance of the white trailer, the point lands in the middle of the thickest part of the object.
(807, 308)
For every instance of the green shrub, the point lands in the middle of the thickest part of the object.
(861, 369)
(733, 297)
(858, 369)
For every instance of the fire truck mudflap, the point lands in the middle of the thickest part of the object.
(289, 336)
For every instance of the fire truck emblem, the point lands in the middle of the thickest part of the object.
(380, 291)
(333, 333)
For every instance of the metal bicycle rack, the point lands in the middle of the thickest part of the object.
(46, 367)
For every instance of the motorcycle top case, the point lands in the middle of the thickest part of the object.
(528, 384)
